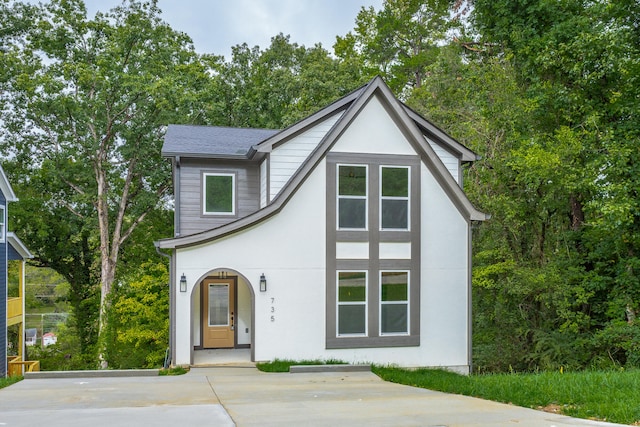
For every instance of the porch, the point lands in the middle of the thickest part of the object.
(222, 357)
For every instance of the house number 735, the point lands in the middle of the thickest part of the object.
(273, 310)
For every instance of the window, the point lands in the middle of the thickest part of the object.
(394, 302)
(394, 198)
(218, 304)
(352, 303)
(219, 194)
(352, 197)
(2, 224)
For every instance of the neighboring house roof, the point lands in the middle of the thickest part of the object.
(20, 251)
(5, 187)
(212, 141)
(352, 104)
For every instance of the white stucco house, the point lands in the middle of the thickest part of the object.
(345, 236)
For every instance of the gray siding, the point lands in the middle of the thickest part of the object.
(190, 202)
(287, 158)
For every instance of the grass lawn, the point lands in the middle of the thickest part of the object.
(282, 365)
(612, 396)
(6, 382)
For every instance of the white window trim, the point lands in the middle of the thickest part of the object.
(407, 302)
(365, 303)
(407, 198)
(3, 224)
(365, 197)
(204, 194)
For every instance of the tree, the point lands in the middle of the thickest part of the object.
(275, 87)
(399, 41)
(86, 100)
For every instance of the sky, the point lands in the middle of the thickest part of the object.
(217, 25)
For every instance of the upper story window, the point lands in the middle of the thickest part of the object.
(352, 197)
(2, 224)
(394, 198)
(218, 194)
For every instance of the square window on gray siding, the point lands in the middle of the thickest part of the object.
(352, 303)
(394, 198)
(219, 194)
(352, 197)
(394, 302)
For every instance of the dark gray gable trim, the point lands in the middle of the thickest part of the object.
(304, 124)
(441, 138)
(415, 137)
(362, 97)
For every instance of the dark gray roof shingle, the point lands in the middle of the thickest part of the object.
(212, 141)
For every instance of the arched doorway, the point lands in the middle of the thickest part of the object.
(222, 319)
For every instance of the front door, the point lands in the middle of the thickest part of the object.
(218, 314)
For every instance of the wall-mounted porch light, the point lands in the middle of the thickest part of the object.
(183, 283)
(263, 283)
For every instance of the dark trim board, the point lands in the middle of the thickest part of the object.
(373, 265)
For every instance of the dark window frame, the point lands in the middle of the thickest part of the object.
(373, 264)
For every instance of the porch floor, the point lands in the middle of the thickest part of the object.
(222, 356)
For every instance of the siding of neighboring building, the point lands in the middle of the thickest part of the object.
(247, 193)
(3, 298)
(287, 158)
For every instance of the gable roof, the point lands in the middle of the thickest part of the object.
(352, 104)
(5, 187)
(18, 249)
(212, 141)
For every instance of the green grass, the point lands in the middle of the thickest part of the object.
(283, 365)
(6, 382)
(612, 396)
(177, 370)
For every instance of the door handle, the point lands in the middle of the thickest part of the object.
(232, 323)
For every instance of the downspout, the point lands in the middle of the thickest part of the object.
(172, 287)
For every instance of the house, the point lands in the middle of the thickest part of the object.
(48, 339)
(345, 236)
(31, 336)
(11, 306)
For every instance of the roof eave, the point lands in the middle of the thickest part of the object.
(5, 187)
(19, 247)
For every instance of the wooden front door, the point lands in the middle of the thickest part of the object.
(218, 314)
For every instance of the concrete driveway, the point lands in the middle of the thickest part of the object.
(243, 396)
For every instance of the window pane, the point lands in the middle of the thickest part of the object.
(395, 214)
(352, 286)
(393, 318)
(351, 319)
(218, 305)
(352, 181)
(352, 213)
(219, 193)
(395, 182)
(394, 286)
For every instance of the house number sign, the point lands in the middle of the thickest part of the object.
(272, 310)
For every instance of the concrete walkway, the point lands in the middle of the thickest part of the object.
(243, 396)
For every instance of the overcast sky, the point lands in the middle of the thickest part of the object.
(216, 25)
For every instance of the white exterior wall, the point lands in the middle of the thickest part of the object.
(287, 158)
(289, 248)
